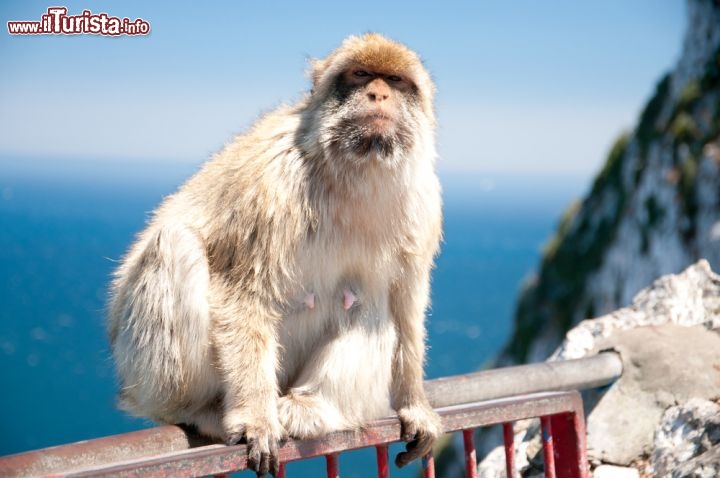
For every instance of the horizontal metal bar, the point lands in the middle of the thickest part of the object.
(110, 449)
(577, 374)
(122, 455)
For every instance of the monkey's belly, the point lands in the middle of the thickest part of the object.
(335, 363)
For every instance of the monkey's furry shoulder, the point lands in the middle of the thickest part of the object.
(306, 243)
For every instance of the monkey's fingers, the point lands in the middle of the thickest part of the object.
(274, 459)
(409, 430)
(417, 448)
(263, 460)
(403, 458)
(420, 443)
(235, 437)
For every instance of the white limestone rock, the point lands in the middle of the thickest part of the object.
(685, 432)
(610, 471)
(691, 298)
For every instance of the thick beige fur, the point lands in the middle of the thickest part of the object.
(209, 317)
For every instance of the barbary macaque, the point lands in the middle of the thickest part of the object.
(281, 291)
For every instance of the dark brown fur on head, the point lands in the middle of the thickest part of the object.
(376, 53)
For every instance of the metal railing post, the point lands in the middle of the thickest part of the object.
(548, 446)
(428, 466)
(381, 452)
(569, 436)
(470, 454)
(509, 441)
(331, 461)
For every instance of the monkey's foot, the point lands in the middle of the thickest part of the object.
(262, 445)
(420, 427)
(307, 415)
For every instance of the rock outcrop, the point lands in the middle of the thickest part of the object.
(653, 210)
(687, 442)
(662, 417)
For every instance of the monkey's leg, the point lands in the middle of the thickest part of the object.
(208, 420)
(420, 424)
(159, 323)
(308, 415)
(244, 336)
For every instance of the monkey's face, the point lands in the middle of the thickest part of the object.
(371, 103)
(371, 115)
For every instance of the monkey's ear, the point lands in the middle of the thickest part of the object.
(316, 69)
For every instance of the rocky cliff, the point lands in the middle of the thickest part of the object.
(661, 418)
(652, 210)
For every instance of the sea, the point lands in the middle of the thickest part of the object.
(65, 222)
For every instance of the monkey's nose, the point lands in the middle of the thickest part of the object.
(378, 90)
(374, 96)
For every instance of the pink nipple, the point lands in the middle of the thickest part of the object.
(310, 301)
(348, 299)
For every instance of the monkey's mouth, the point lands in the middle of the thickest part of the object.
(377, 125)
(373, 134)
(380, 120)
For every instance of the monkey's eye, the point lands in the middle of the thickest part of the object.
(394, 78)
(361, 73)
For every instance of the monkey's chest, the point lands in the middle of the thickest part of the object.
(343, 277)
(343, 299)
(340, 281)
(345, 272)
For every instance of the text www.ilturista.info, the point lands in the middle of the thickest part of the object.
(57, 22)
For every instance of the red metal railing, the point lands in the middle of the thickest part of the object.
(170, 451)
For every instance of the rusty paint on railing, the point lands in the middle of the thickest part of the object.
(167, 447)
(171, 451)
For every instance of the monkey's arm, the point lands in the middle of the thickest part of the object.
(420, 424)
(244, 336)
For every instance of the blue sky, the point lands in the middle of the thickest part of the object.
(523, 86)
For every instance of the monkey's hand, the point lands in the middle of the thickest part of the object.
(420, 427)
(262, 437)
